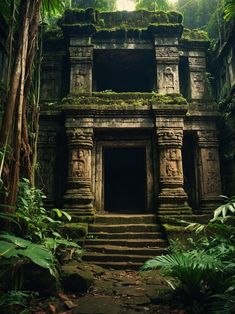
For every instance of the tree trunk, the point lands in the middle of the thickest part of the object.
(19, 109)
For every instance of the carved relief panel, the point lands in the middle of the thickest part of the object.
(197, 80)
(171, 163)
(167, 79)
(80, 163)
(80, 81)
(210, 171)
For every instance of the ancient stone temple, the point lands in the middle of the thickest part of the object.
(128, 124)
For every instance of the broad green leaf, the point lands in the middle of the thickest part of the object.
(19, 242)
(7, 249)
(39, 255)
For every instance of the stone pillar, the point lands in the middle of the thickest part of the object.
(167, 61)
(172, 197)
(81, 58)
(79, 197)
(209, 170)
(197, 71)
(47, 158)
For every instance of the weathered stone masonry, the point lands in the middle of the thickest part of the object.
(157, 119)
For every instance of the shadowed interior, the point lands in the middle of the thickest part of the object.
(124, 179)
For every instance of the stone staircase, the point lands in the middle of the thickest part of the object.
(124, 241)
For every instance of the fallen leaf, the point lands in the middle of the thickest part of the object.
(70, 304)
(63, 296)
(52, 308)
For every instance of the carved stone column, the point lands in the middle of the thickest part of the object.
(81, 58)
(47, 158)
(172, 196)
(79, 196)
(197, 72)
(209, 170)
(167, 61)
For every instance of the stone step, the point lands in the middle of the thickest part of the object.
(124, 250)
(125, 219)
(101, 257)
(145, 243)
(124, 228)
(126, 235)
(120, 265)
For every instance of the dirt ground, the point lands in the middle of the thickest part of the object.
(116, 292)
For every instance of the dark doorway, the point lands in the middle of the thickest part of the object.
(189, 167)
(124, 179)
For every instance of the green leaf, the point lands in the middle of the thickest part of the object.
(57, 211)
(7, 250)
(69, 217)
(39, 255)
(19, 242)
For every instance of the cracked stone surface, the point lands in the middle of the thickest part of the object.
(118, 291)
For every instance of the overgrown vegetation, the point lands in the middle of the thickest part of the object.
(35, 239)
(203, 276)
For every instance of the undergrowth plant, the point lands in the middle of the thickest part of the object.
(40, 225)
(35, 238)
(203, 275)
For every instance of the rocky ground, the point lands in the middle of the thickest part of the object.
(116, 292)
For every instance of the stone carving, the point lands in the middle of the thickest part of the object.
(199, 62)
(81, 52)
(79, 78)
(170, 137)
(213, 180)
(170, 52)
(172, 163)
(79, 163)
(169, 80)
(213, 183)
(80, 136)
(197, 81)
(207, 138)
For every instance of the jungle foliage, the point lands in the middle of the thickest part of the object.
(102, 5)
(152, 5)
(202, 274)
(35, 239)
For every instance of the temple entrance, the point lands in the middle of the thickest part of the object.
(124, 179)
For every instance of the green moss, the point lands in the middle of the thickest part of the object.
(194, 35)
(79, 29)
(125, 99)
(75, 230)
(165, 28)
(136, 19)
(53, 34)
(174, 228)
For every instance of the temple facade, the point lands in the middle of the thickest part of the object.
(128, 124)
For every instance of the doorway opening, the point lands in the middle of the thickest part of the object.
(189, 168)
(124, 179)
